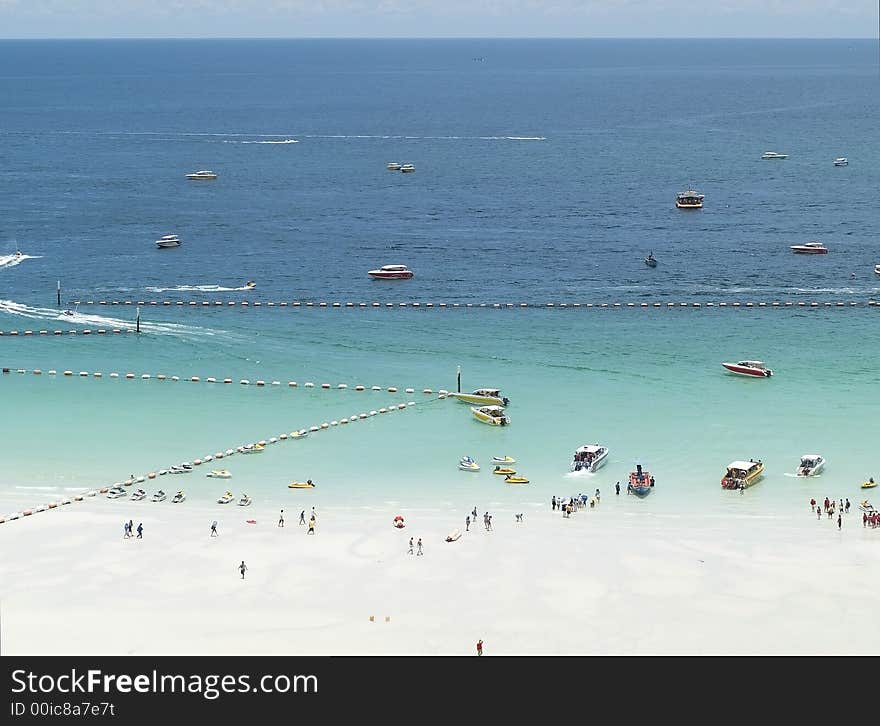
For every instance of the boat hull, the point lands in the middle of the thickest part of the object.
(597, 463)
(809, 251)
(811, 472)
(685, 205)
(476, 400)
(746, 371)
(491, 420)
(750, 480)
(391, 275)
(642, 491)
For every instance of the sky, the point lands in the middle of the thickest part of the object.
(439, 18)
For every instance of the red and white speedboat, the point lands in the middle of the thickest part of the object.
(749, 368)
(810, 248)
(391, 272)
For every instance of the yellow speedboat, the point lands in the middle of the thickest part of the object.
(482, 397)
(870, 484)
(493, 415)
(505, 470)
(301, 485)
(516, 479)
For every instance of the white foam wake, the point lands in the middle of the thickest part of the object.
(13, 260)
(198, 288)
(284, 141)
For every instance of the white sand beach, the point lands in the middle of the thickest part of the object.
(608, 580)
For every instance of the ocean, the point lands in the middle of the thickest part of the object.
(545, 171)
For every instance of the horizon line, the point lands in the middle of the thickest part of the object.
(436, 37)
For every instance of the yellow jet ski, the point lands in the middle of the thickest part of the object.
(870, 484)
(301, 485)
(505, 470)
(516, 479)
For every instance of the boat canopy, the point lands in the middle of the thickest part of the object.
(590, 449)
(393, 268)
(691, 193)
(742, 465)
(810, 457)
(751, 363)
(492, 410)
(494, 392)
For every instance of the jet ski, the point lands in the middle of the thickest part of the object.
(516, 479)
(253, 449)
(178, 498)
(301, 485)
(503, 460)
(158, 496)
(138, 495)
(244, 501)
(468, 464)
(250, 284)
(226, 498)
(505, 470)
(219, 473)
(116, 492)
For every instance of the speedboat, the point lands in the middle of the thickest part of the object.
(408, 168)
(503, 460)
(468, 464)
(589, 457)
(689, 199)
(116, 492)
(877, 269)
(742, 474)
(250, 284)
(226, 498)
(641, 483)
(244, 501)
(841, 161)
(753, 368)
(175, 469)
(158, 496)
(301, 434)
(811, 464)
(253, 449)
(178, 498)
(650, 260)
(219, 474)
(168, 240)
(493, 415)
(773, 155)
(504, 470)
(203, 174)
(511, 479)
(138, 495)
(810, 248)
(870, 484)
(301, 485)
(393, 166)
(391, 272)
(483, 397)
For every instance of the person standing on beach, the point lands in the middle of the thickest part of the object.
(617, 489)
(467, 523)
(281, 519)
(864, 519)
(243, 568)
(126, 532)
(214, 528)
(552, 504)
(311, 525)
(140, 530)
(846, 508)
(812, 503)
(818, 512)
(410, 550)
(314, 516)
(475, 514)
(480, 647)
(419, 545)
(838, 522)
(489, 522)
(130, 527)
(302, 517)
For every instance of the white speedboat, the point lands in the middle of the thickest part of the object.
(754, 368)
(408, 168)
(810, 248)
(391, 272)
(468, 464)
(589, 457)
(203, 174)
(492, 415)
(168, 240)
(158, 496)
(773, 155)
(226, 498)
(138, 495)
(811, 464)
(182, 469)
(841, 161)
(877, 269)
(116, 493)
(244, 501)
(178, 498)
(482, 397)
(393, 166)
(220, 474)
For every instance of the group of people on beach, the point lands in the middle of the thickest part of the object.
(127, 530)
(830, 507)
(573, 504)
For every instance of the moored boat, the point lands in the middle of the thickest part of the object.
(503, 460)
(466, 463)
(641, 483)
(245, 501)
(493, 415)
(810, 248)
(179, 497)
(301, 485)
(589, 457)
(391, 272)
(742, 474)
(870, 484)
(754, 368)
(773, 155)
(482, 397)
(512, 479)
(159, 496)
(203, 174)
(650, 260)
(168, 240)
(689, 199)
(138, 495)
(504, 470)
(220, 474)
(811, 464)
(393, 166)
(841, 161)
(226, 498)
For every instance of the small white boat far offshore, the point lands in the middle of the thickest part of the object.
(589, 457)
(408, 168)
(841, 161)
(877, 269)
(391, 272)
(492, 415)
(810, 248)
(811, 464)
(393, 166)
(690, 199)
(168, 240)
(203, 174)
(483, 397)
(773, 155)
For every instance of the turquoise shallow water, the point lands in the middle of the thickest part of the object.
(647, 383)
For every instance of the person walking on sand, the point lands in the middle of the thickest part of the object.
(214, 528)
(243, 568)
(419, 546)
(812, 503)
(553, 502)
(480, 647)
(818, 512)
(838, 522)
(410, 550)
(489, 522)
(311, 526)
(467, 523)
(302, 517)
(314, 516)
(474, 513)
(864, 519)
(846, 508)
(130, 527)
(140, 530)
(617, 489)
(281, 519)
(126, 532)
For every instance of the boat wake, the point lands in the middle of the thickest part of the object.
(13, 260)
(199, 288)
(282, 141)
(100, 321)
(583, 473)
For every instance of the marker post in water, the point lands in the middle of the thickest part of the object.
(137, 324)
(59, 293)
(459, 379)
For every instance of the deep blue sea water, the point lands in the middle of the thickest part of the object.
(546, 171)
